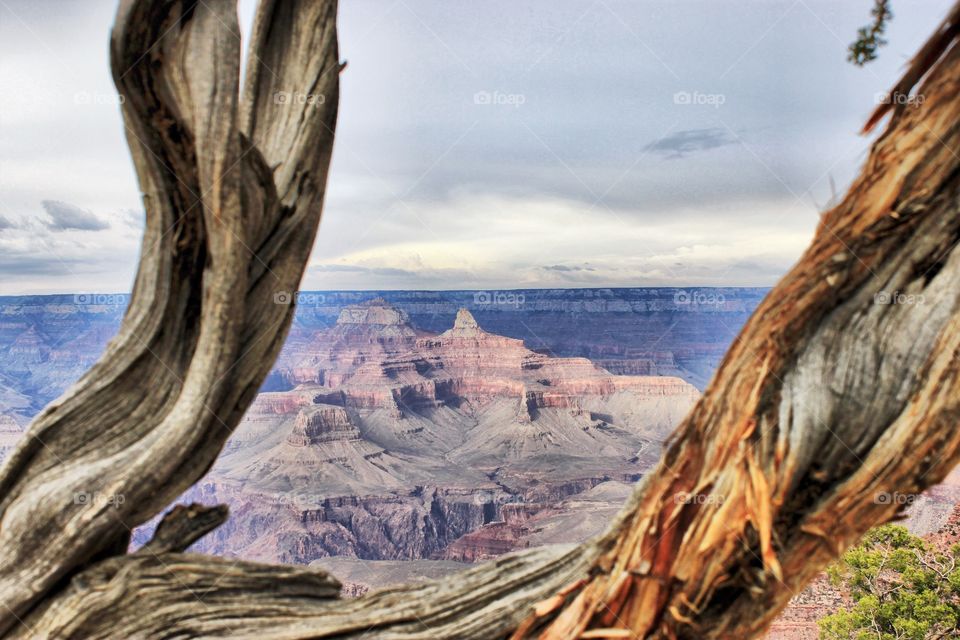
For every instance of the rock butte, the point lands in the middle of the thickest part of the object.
(398, 443)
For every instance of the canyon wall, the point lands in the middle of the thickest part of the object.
(399, 443)
(402, 435)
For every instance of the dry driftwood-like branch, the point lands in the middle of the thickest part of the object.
(233, 191)
(184, 525)
(842, 390)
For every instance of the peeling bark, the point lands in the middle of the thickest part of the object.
(842, 388)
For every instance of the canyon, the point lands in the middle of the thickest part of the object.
(48, 341)
(394, 442)
(403, 435)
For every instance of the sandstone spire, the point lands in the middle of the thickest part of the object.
(465, 325)
(465, 320)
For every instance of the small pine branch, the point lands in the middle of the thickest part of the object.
(869, 38)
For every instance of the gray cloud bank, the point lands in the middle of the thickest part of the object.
(681, 143)
(550, 142)
(64, 216)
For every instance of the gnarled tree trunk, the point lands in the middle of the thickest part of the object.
(233, 190)
(842, 389)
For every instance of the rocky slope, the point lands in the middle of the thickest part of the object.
(47, 342)
(357, 575)
(573, 519)
(11, 427)
(397, 442)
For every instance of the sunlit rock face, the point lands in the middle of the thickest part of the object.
(399, 443)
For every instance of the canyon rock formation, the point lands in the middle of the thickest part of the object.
(400, 438)
(400, 443)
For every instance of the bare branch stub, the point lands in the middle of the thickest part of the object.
(184, 525)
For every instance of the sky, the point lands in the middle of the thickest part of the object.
(490, 145)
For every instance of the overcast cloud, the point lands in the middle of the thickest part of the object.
(65, 216)
(490, 145)
(681, 143)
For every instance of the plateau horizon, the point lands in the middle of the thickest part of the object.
(481, 295)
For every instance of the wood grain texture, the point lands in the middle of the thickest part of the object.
(233, 205)
(842, 388)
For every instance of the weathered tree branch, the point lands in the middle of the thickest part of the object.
(233, 193)
(842, 388)
(184, 525)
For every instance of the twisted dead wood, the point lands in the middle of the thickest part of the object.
(233, 190)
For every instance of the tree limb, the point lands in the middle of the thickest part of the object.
(225, 233)
(183, 526)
